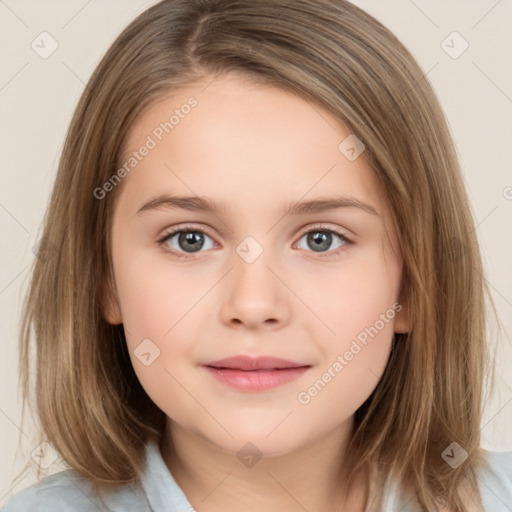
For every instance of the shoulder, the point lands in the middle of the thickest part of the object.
(56, 492)
(495, 481)
(494, 478)
(68, 490)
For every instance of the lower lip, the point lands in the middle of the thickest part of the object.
(256, 380)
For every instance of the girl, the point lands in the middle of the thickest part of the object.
(320, 346)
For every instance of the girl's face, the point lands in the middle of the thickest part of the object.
(291, 254)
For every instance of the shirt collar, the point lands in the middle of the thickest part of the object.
(162, 491)
(164, 494)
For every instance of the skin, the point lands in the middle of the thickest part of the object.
(255, 148)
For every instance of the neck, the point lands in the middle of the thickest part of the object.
(307, 479)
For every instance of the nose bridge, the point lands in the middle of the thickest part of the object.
(255, 295)
(252, 275)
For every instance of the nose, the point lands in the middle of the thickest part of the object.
(254, 297)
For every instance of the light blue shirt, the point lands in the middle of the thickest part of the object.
(68, 491)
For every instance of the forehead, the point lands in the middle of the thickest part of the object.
(236, 140)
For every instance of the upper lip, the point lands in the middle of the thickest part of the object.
(254, 363)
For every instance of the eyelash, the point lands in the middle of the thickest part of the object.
(195, 229)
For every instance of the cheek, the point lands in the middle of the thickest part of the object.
(153, 310)
(153, 297)
(353, 296)
(359, 307)
(356, 355)
(160, 308)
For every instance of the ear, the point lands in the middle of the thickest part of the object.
(402, 318)
(110, 303)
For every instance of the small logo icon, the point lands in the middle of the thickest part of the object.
(249, 454)
(44, 455)
(44, 45)
(454, 45)
(455, 455)
(146, 352)
(351, 147)
(249, 249)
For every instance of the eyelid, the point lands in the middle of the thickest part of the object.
(195, 227)
(185, 227)
(170, 232)
(324, 227)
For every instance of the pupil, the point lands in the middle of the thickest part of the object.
(194, 240)
(320, 240)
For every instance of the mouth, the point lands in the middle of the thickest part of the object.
(247, 363)
(255, 374)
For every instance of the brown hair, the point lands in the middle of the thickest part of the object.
(89, 401)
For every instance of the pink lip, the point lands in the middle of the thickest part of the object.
(254, 363)
(255, 374)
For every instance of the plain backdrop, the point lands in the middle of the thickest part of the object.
(470, 71)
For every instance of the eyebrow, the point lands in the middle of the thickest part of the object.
(203, 204)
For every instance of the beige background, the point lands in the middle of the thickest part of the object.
(37, 98)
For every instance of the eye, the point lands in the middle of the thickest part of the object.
(320, 240)
(185, 240)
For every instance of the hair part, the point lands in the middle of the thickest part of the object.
(331, 53)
